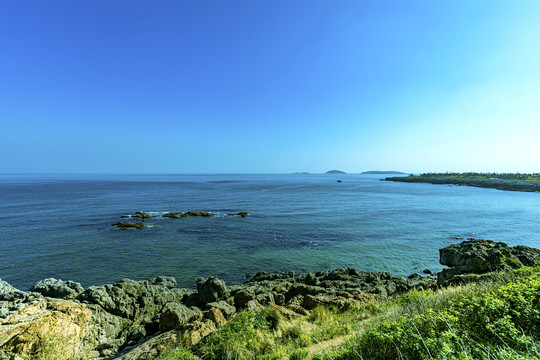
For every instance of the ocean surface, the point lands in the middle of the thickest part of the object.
(60, 225)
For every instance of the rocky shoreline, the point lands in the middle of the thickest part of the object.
(508, 185)
(143, 319)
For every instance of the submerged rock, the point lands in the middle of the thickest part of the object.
(139, 215)
(241, 214)
(177, 215)
(129, 225)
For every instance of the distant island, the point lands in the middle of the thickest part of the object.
(377, 172)
(503, 181)
(335, 172)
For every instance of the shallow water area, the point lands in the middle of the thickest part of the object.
(59, 225)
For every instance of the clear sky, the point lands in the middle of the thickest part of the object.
(228, 86)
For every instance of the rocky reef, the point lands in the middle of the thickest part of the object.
(170, 215)
(130, 319)
(129, 225)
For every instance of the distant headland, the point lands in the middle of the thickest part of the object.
(504, 181)
(335, 172)
(377, 172)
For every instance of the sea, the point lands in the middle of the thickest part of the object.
(59, 225)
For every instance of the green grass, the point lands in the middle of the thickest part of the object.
(495, 319)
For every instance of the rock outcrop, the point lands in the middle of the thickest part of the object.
(47, 329)
(56, 288)
(476, 256)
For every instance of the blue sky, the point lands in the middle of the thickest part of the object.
(269, 86)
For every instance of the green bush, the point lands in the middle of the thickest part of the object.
(478, 322)
(247, 335)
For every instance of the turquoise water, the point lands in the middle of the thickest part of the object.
(59, 225)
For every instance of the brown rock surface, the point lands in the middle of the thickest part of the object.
(47, 329)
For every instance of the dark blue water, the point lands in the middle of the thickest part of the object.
(59, 225)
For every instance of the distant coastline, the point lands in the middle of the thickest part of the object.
(378, 172)
(508, 182)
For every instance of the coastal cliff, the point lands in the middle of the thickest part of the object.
(58, 319)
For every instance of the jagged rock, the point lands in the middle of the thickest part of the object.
(227, 309)
(279, 298)
(242, 297)
(261, 276)
(211, 290)
(174, 315)
(286, 313)
(252, 304)
(303, 289)
(129, 225)
(153, 347)
(265, 298)
(9, 293)
(201, 325)
(48, 329)
(133, 334)
(55, 288)
(311, 279)
(133, 300)
(167, 281)
(105, 330)
(482, 256)
(129, 303)
(298, 309)
(423, 282)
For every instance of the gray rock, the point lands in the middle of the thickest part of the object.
(106, 328)
(133, 334)
(9, 293)
(265, 298)
(303, 289)
(154, 347)
(166, 281)
(211, 290)
(226, 308)
(128, 310)
(173, 316)
(56, 288)
(476, 256)
(242, 297)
